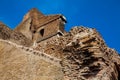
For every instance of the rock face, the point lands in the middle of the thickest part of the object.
(17, 37)
(86, 57)
(80, 54)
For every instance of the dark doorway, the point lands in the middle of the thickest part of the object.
(42, 32)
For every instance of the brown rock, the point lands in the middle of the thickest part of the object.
(39, 49)
(7, 34)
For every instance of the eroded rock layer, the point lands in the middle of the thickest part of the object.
(84, 54)
(40, 49)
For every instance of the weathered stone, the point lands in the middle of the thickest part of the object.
(18, 64)
(80, 54)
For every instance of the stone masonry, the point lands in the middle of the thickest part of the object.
(40, 49)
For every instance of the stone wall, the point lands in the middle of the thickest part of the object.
(34, 51)
(22, 63)
(84, 54)
(50, 28)
(87, 57)
(17, 37)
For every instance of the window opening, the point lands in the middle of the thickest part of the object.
(42, 32)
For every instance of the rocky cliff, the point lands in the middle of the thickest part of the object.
(80, 54)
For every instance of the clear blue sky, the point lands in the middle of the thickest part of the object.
(104, 15)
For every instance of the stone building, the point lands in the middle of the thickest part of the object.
(38, 27)
(80, 54)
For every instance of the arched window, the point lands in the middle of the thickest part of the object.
(42, 32)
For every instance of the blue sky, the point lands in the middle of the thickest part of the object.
(104, 15)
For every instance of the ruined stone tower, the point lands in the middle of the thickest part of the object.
(80, 54)
(38, 27)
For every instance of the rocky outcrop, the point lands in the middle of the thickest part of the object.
(80, 54)
(87, 57)
(84, 54)
(7, 34)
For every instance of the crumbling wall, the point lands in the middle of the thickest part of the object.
(25, 29)
(23, 63)
(49, 29)
(84, 54)
(4, 31)
(87, 57)
(34, 51)
(16, 37)
(80, 54)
